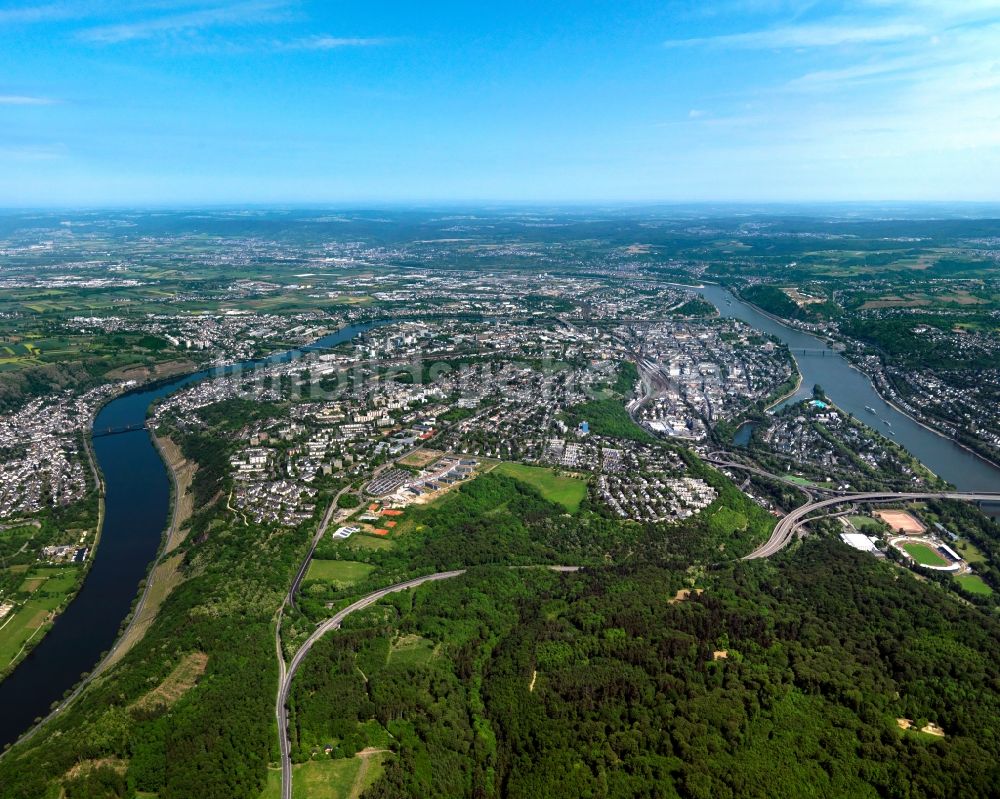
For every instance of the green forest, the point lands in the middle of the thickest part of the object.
(775, 679)
(770, 678)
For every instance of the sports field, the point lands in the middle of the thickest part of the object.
(566, 491)
(901, 520)
(342, 573)
(924, 554)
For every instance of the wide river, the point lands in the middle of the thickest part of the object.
(137, 498)
(136, 508)
(853, 391)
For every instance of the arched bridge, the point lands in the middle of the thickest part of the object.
(117, 431)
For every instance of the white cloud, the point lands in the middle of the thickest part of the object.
(32, 152)
(332, 43)
(24, 15)
(232, 15)
(21, 99)
(906, 96)
(830, 34)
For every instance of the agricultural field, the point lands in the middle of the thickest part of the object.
(563, 490)
(46, 589)
(181, 680)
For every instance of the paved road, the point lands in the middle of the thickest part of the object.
(287, 674)
(320, 532)
(290, 597)
(787, 526)
(723, 463)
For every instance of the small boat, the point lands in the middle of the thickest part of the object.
(887, 422)
(869, 408)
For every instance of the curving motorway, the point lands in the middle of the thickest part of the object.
(784, 532)
(287, 673)
(788, 525)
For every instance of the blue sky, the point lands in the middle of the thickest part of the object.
(255, 101)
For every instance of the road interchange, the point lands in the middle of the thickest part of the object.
(786, 528)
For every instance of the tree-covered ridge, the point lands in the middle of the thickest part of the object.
(217, 739)
(894, 337)
(779, 679)
(775, 301)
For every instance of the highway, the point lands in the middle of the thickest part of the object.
(721, 462)
(784, 532)
(288, 673)
(787, 526)
(320, 532)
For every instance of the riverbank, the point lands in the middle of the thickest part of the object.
(830, 342)
(163, 577)
(875, 383)
(165, 574)
(136, 563)
(891, 402)
(854, 391)
(788, 394)
(44, 612)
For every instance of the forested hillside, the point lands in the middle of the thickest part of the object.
(782, 679)
(141, 728)
(666, 667)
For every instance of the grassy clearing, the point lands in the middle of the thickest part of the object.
(924, 555)
(341, 573)
(566, 491)
(372, 766)
(969, 551)
(360, 541)
(727, 521)
(324, 779)
(411, 650)
(974, 584)
(866, 524)
(181, 680)
(802, 481)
